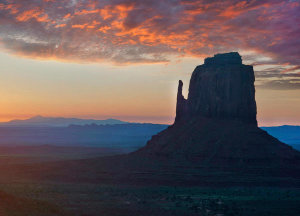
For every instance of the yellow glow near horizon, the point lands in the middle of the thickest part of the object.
(137, 93)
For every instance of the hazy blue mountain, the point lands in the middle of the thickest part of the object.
(117, 135)
(101, 133)
(286, 133)
(59, 122)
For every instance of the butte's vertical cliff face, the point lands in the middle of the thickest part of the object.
(222, 88)
(216, 125)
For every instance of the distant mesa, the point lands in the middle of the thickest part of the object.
(38, 121)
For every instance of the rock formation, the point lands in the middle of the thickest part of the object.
(216, 125)
(181, 106)
(220, 88)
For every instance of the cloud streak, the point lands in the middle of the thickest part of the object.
(136, 31)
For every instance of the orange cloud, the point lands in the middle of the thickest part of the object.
(234, 10)
(35, 13)
(13, 8)
(79, 26)
(84, 12)
(60, 25)
(67, 16)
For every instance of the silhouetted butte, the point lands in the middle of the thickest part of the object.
(216, 126)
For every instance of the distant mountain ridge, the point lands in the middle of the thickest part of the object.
(289, 134)
(98, 132)
(59, 122)
(114, 135)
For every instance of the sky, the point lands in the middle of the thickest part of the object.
(123, 58)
